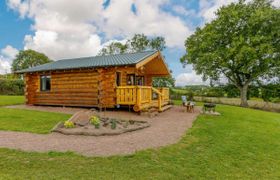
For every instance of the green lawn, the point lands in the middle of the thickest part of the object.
(29, 121)
(241, 143)
(11, 100)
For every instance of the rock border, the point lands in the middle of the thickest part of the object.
(59, 128)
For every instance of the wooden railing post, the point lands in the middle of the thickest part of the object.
(159, 102)
(138, 100)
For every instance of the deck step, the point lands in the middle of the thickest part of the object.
(166, 107)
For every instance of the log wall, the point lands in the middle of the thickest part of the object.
(76, 88)
(91, 87)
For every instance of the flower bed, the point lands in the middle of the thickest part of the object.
(97, 126)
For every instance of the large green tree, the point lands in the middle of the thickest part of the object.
(27, 59)
(140, 42)
(241, 44)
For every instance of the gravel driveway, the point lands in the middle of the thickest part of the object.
(166, 128)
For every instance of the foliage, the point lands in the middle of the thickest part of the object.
(139, 42)
(11, 86)
(157, 43)
(113, 124)
(241, 44)
(10, 76)
(69, 124)
(27, 120)
(113, 48)
(164, 81)
(94, 120)
(270, 91)
(27, 59)
(235, 145)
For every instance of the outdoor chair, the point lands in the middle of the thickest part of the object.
(188, 104)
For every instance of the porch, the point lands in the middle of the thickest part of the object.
(142, 97)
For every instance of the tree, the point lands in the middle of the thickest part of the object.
(140, 42)
(164, 82)
(158, 43)
(113, 48)
(27, 59)
(241, 44)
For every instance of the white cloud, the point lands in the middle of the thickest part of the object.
(66, 28)
(7, 54)
(276, 3)
(183, 11)
(207, 8)
(189, 78)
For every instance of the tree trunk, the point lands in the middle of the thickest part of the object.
(243, 96)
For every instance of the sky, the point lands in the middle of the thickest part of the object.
(68, 29)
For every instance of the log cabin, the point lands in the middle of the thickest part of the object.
(108, 81)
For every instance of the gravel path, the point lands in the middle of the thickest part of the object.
(166, 128)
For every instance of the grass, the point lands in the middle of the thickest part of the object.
(29, 121)
(26, 120)
(241, 143)
(11, 100)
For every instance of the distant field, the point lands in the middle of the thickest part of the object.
(256, 104)
(11, 100)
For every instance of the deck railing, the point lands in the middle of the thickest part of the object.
(165, 92)
(141, 96)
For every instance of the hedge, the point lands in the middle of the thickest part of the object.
(11, 87)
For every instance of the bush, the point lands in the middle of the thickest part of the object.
(113, 124)
(94, 120)
(11, 86)
(69, 124)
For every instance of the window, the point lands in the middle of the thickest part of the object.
(118, 78)
(131, 79)
(45, 83)
(140, 80)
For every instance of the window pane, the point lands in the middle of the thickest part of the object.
(45, 83)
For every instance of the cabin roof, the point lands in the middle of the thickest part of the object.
(94, 61)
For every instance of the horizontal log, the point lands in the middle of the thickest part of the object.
(58, 98)
(66, 93)
(74, 75)
(78, 78)
(75, 86)
(66, 102)
(71, 82)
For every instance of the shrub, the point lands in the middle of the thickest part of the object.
(113, 124)
(94, 120)
(11, 86)
(69, 124)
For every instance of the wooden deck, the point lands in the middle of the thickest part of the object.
(142, 97)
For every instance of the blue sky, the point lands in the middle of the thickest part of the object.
(65, 29)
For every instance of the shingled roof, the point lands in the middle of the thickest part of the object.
(94, 61)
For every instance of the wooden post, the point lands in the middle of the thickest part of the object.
(138, 99)
(159, 102)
